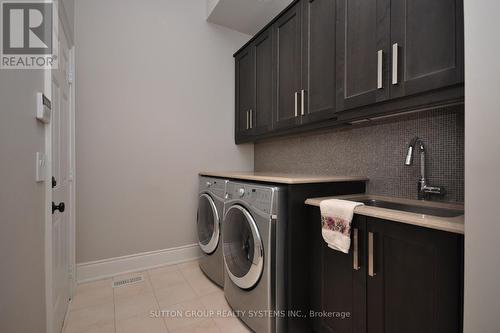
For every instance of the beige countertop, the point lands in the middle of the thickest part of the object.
(450, 224)
(282, 178)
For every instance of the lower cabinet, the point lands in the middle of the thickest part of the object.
(396, 278)
(344, 284)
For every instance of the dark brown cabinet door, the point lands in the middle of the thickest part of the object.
(245, 92)
(351, 59)
(363, 30)
(262, 116)
(416, 282)
(317, 100)
(344, 283)
(427, 43)
(287, 32)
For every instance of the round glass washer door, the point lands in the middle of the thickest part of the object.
(207, 224)
(243, 250)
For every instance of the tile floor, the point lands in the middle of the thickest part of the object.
(179, 290)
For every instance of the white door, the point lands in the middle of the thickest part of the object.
(60, 185)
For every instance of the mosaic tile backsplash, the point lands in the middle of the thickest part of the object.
(378, 150)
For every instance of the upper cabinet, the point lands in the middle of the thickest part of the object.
(287, 32)
(392, 49)
(254, 88)
(426, 45)
(362, 52)
(327, 62)
(305, 63)
(264, 83)
(317, 94)
(245, 92)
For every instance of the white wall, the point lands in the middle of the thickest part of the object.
(211, 5)
(155, 105)
(22, 204)
(243, 15)
(68, 11)
(482, 167)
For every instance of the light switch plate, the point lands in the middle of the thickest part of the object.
(40, 167)
(43, 108)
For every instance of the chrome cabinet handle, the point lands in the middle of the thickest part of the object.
(380, 58)
(355, 240)
(247, 120)
(296, 104)
(371, 259)
(302, 102)
(395, 48)
(251, 118)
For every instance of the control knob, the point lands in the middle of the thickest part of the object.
(241, 192)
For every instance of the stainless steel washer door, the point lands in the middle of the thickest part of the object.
(242, 247)
(207, 224)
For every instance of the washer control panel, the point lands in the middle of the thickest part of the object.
(216, 186)
(257, 196)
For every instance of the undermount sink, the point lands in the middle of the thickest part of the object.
(434, 211)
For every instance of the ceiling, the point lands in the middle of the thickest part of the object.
(246, 16)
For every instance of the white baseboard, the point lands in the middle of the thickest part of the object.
(101, 269)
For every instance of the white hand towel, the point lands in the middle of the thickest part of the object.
(336, 217)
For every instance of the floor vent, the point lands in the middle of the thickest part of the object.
(128, 281)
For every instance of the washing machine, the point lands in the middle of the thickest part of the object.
(209, 219)
(253, 247)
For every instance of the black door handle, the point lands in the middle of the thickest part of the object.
(59, 207)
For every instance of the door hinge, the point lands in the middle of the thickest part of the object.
(70, 77)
